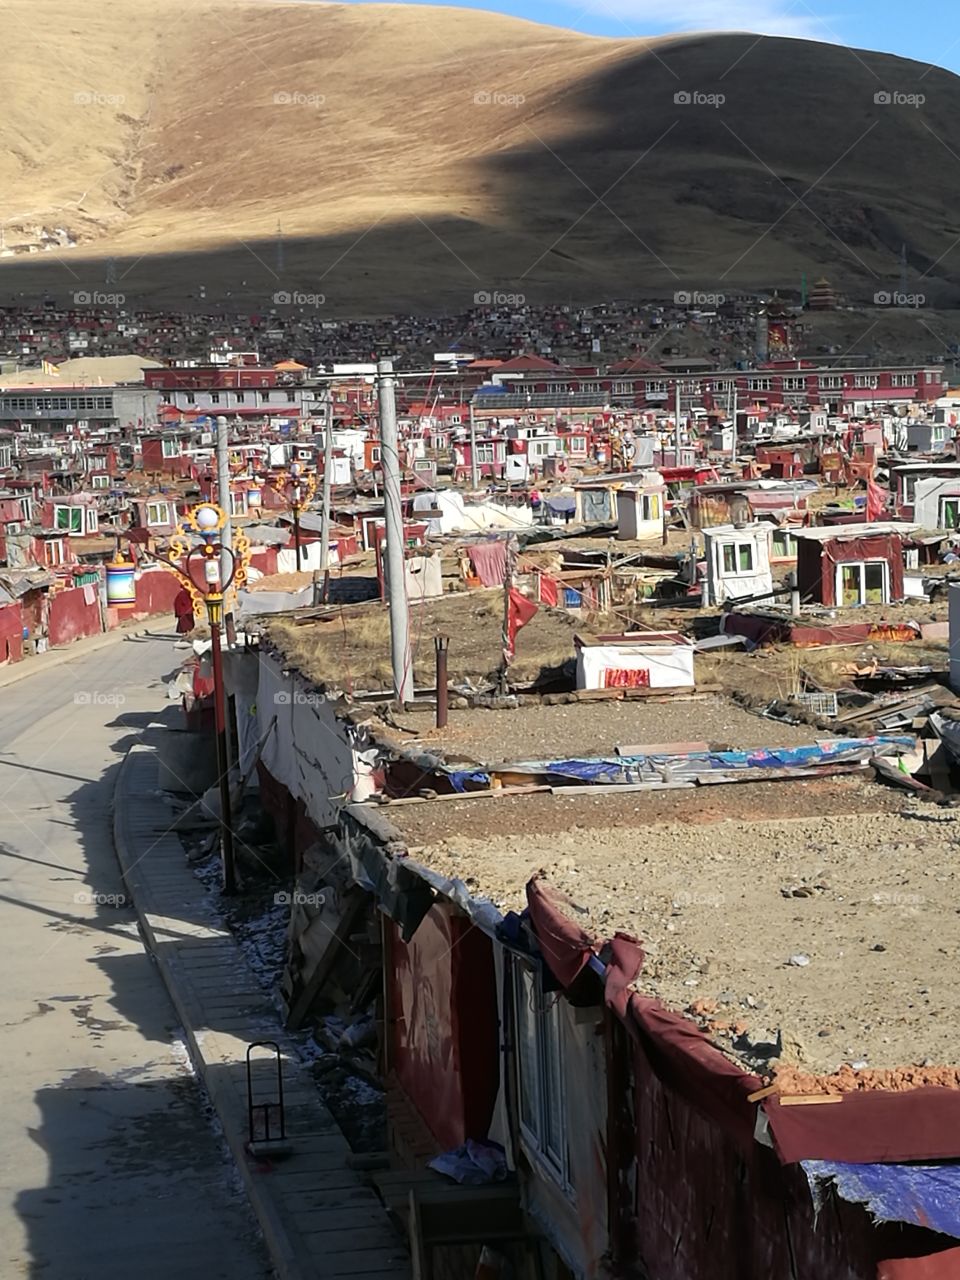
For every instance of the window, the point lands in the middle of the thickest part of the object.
(69, 519)
(240, 397)
(829, 382)
(902, 379)
(53, 551)
(862, 582)
(484, 453)
(191, 398)
(759, 384)
(949, 513)
(650, 503)
(100, 482)
(656, 388)
(92, 520)
(737, 558)
(794, 384)
(214, 397)
(238, 504)
(375, 453)
(782, 545)
(939, 434)
(158, 513)
(170, 448)
(540, 1071)
(909, 488)
(865, 380)
(622, 388)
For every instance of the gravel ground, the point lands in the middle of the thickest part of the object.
(866, 904)
(595, 728)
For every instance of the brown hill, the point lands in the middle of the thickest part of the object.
(417, 156)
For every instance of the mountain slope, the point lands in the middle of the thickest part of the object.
(415, 156)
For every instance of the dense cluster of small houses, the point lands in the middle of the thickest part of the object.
(784, 503)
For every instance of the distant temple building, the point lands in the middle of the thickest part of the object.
(822, 296)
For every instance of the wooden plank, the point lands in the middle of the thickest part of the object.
(810, 1099)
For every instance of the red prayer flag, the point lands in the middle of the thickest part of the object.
(876, 500)
(548, 589)
(519, 612)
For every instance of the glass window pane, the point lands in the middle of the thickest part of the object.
(873, 574)
(527, 1051)
(746, 557)
(729, 559)
(553, 1127)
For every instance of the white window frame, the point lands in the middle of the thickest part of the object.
(170, 448)
(53, 551)
(651, 506)
(831, 382)
(954, 500)
(862, 566)
(759, 384)
(155, 506)
(75, 522)
(794, 384)
(736, 548)
(485, 453)
(100, 482)
(92, 521)
(542, 1015)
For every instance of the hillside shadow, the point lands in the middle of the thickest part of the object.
(727, 161)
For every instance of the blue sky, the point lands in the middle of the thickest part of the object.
(927, 31)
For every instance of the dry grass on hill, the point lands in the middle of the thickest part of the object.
(415, 155)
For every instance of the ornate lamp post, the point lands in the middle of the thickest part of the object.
(198, 566)
(298, 487)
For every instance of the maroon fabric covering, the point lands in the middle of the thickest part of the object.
(679, 1052)
(566, 948)
(876, 546)
(870, 1127)
(489, 561)
(936, 1266)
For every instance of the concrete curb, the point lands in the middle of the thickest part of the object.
(54, 658)
(289, 1261)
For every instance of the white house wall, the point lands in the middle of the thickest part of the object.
(670, 667)
(309, 751)
(927, 495)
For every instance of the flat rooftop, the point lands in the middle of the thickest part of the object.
(804, 924)
(598, 728)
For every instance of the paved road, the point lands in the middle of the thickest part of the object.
(110, 1168)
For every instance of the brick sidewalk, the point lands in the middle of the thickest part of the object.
(319, 1219)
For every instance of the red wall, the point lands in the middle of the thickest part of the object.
(444, 1024)
(155, 595)
(70, 617)
(11, 633)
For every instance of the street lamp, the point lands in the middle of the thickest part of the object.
(297, 486)
(198, 566)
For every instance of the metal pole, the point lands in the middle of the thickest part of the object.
(441, 644)
(325, 517)
(474, 468)
(223, 496)
(676, 422)
(226, 817)
(734, 454)
(296, 531)
(394, 560)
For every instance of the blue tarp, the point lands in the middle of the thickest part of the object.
(927, 1195)
(632, 769)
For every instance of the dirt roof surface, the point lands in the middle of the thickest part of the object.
(819, 925)
(585, 728)
(351, 648)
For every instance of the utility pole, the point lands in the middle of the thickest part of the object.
(733, 456)
(394, 559)
(223, 496)
(676, 423)
(474, 469)
(325, 516)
